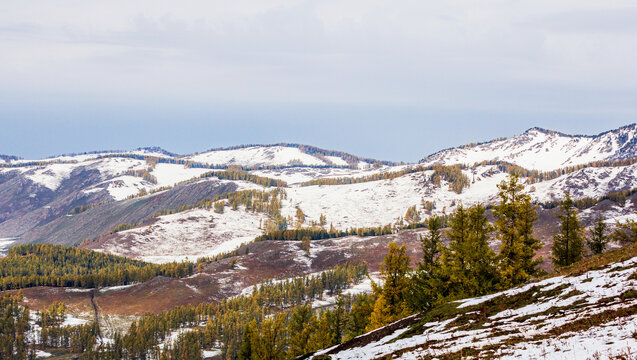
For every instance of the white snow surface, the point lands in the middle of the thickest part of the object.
(5, 243)
(302, 174)
(187, 235)
(50, 176)
(543, 150)
(382, 202)
(42, 354)
(170, 174)
(258, 156)
(577, 297)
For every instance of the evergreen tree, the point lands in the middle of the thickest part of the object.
(514, 219)
(321, 338)
(597, 241)
(568, 242)
(392, 296)
(14, 324)
(468, 265)
(245, 350)
(424, 286)
(299, 330)
(481, 259)
(359, 316)
(527, 216)
(454, 257)
(626, 232)
(412, 215)
(269, 342)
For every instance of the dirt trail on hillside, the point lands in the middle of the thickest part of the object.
(99, 333)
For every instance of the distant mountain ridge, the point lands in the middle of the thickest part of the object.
(156, 150)
(542, 149)
(69, 198)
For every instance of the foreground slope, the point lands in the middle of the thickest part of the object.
(590, 312)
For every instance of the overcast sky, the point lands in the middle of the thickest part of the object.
(394, 80)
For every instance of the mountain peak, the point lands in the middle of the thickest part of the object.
(545, 150)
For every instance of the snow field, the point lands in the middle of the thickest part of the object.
(188, 235)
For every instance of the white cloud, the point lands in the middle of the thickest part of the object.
(446, 54)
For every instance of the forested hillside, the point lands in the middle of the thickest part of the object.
(55, 265)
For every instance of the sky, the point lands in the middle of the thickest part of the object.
(390, 80)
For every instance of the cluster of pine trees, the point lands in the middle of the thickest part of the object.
(238, 174)
(452, 174)
(242, 325)
(83, 208)
(142, 173)
(569, 242)
(14, 325)
(274, 321)
(317, 233)
(261, 201)
(467, 266)
(56, 265)
(619, 197)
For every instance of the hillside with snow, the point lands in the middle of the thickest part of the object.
(256, 156)
(545, 150)
(69, 198)
(586, 315)
(183, 236)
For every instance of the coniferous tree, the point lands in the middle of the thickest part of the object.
(514, 219)
(245, 350)
(530, 244)
(359, 316)
(321, 338)
(392, 296)
(454, 257)
(424, 282)
(299, 330)
(268, 342)
(322, 220)
(481, 259)
(468, 264)
(626, 232)
(14, 324)
(597, 240)
(394, 272)
(568, 242)
(412, 215)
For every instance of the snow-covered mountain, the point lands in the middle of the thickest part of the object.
(268, 156)
(540, 149)
(68, 198)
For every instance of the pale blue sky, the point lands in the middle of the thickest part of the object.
(391, 80)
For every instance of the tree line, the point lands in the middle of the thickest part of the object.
(452, 174)
(55, 265)
(318, 233)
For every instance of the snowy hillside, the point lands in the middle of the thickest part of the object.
(383, 202)
(190, 234)
(266, 155)
(545, 150)
(587, 316)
